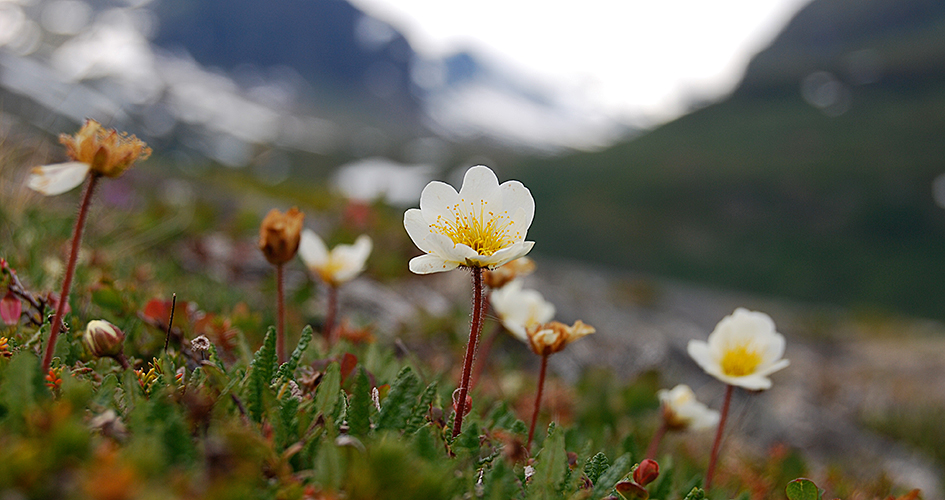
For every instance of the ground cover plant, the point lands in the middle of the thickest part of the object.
(167, 384)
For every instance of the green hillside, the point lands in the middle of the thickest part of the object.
(767, 193)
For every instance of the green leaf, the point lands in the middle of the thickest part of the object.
(287, 431)
(696, 493)
(662, 488)
(359, 406)
(802, 489)
(418, 415)
(260, 375)
(399, 402)
(329, 390)
(595, 466)
(609, 477)
(550, 469)
(286, 369)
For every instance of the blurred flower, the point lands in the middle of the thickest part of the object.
(5, 351)
(501, 276)
(103, 339)
(742, 351)
(682, 411)
(102, 151)
(342, 264)
(200, 343)
(520, 309)
(483, 225)
(10, 308)
(279, 235)
(549, 338)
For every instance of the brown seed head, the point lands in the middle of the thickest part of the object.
(279, 235)
(552, 337)
(107, 151)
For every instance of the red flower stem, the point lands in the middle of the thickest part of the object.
(475, 327)
(280, 319)
(331, 314)
(718, 437)
(70, 270)
(655, 441)
(482, 360)
(541, 386)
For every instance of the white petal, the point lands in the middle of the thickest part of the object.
(701, 353)
(312, 249)
(438, 200)
(754, 382)
(478, 183)
(768, 370)
(430, 263)
(507, 254)
(516, 196)
(58, 178)
(417, 228)
(352, 258)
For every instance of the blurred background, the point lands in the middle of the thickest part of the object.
(690, 156)
(780, 147)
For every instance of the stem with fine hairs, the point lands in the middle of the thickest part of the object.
(280, 318)
(655, 441)
(481, 362)
(331, 314)
(475, 327)
(718, 437)
(541, 386)
(70, 269)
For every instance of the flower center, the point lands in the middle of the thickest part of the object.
(740, 361)
(485, 232)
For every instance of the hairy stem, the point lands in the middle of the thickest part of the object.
(475, 327)
(718, 437)
(280, 318)
(70, 270)
(482, 360)
(541, 386)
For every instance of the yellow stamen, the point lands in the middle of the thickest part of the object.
(739, 361)
(485, 232)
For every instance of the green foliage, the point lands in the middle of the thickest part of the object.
(697, 493)
(802, 489)
(595, 466)
(400, 401)
(286, 369)
(260, 376)
(550, 469)
(418, 414)
(329, 390)
(359, 405)
(605, 483)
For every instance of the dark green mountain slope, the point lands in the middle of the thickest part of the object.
(768, 193)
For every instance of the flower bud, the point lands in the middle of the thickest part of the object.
(646, 472)
(468, 406)
(279, 235)
(103, 339)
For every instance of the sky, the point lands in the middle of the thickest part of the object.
(638, 61)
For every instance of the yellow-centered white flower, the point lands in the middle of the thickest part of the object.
(682, 411)
(519, 308)
(340, 265)
(483, 225)
(743, 350)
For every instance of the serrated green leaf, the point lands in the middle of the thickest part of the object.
(328, 393)
(663, 487)
(400, 401)
(260, 375)
(359, 406)
(609, 477)
(418, 414)
(802, 489)
(286, 369)
(552, 463)
(595, 466)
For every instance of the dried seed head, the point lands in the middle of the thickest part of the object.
(549, 338)
(279, 235)
(500, 276)
(107, 151)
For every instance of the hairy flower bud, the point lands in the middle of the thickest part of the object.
(103, 339)
(646, 472)
(279, 235)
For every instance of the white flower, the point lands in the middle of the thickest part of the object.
(519, 309)
(743, 350)
(682, 411)
(483, 225)
(342, 264)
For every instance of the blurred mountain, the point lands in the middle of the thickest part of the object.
(819, 178)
